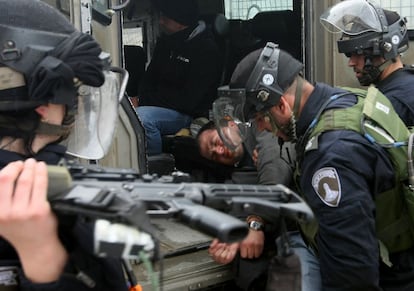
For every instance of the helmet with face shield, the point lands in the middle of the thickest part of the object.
(367, 29)
(43, 60)
(256, 85)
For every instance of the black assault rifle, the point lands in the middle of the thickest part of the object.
(123, 196)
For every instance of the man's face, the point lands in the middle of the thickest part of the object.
(56, 113)
(212, 148)
(168, 25)
(357, 63)
(271, 121)
(51, 114)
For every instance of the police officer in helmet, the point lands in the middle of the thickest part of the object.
(373, 39)
(43, 63)
(340, 172)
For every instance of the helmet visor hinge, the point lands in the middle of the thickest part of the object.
(263, 96)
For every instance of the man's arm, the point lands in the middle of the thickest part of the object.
(272, 168)
(337, 180)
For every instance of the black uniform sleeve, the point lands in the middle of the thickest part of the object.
(347, 244)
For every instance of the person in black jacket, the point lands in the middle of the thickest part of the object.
(373, 39)
(181, 80)
(340, 172)
(43, 61)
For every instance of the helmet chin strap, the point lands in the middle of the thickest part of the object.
(54, 129)
(371, 73)
(268, 117)
(290, 128)
(298, 96)
(59, 130)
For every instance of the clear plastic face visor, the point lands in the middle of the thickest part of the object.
(96, 119)
(229, 118)
(352, 17)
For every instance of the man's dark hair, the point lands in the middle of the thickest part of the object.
(208, 126)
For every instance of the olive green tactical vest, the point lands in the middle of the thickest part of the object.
(374, 117)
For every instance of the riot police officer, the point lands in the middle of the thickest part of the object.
(340, 172)
(373, 39)
(43, 62)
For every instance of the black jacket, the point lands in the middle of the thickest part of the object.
(184, 72)
(399, 88)
(342, 164)
(77, 237)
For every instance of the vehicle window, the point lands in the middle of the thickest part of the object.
(403, 7)
(62, 5)
(247, 9)
(132, 36)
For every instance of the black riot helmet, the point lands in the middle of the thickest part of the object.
(43, 59)
(257, 84)
(265, 75)
(367, 29)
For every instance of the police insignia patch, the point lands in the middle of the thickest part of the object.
(8, 278)
(327, 185)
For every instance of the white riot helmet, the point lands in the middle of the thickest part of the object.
(367, 29)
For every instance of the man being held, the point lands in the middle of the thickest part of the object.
(274, 164)
(261, 152)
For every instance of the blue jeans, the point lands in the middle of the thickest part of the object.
(311, 277)
(159, 121)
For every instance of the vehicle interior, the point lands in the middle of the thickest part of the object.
(239, 28)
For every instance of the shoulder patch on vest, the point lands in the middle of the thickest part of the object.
(326, 183)
(8, 277)
(312, 143)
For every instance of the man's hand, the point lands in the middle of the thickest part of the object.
(134, 101)
(223, 253)
(255, 156)
(27, 221)
(252, 246)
